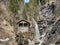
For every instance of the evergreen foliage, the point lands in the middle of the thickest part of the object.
(31, 8)
(14, 7)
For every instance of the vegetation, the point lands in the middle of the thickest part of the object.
(14, 7)
(31, 8)
(43, 2)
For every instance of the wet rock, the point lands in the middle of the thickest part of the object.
(57, 27)
(50, 22)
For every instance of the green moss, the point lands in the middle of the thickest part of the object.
(14, 7)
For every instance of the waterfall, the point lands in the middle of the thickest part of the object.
(42, 40)
(37, 36)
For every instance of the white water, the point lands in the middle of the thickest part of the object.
(42, 40)
(37, 36)
(46, 13)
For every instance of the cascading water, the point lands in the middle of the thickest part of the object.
(42, 40)
(38, 36)
(47, 14)
(36, 30)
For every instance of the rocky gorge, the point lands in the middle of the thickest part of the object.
(34, 23)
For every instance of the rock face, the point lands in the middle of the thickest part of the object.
(54, 35)
(48, 26)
